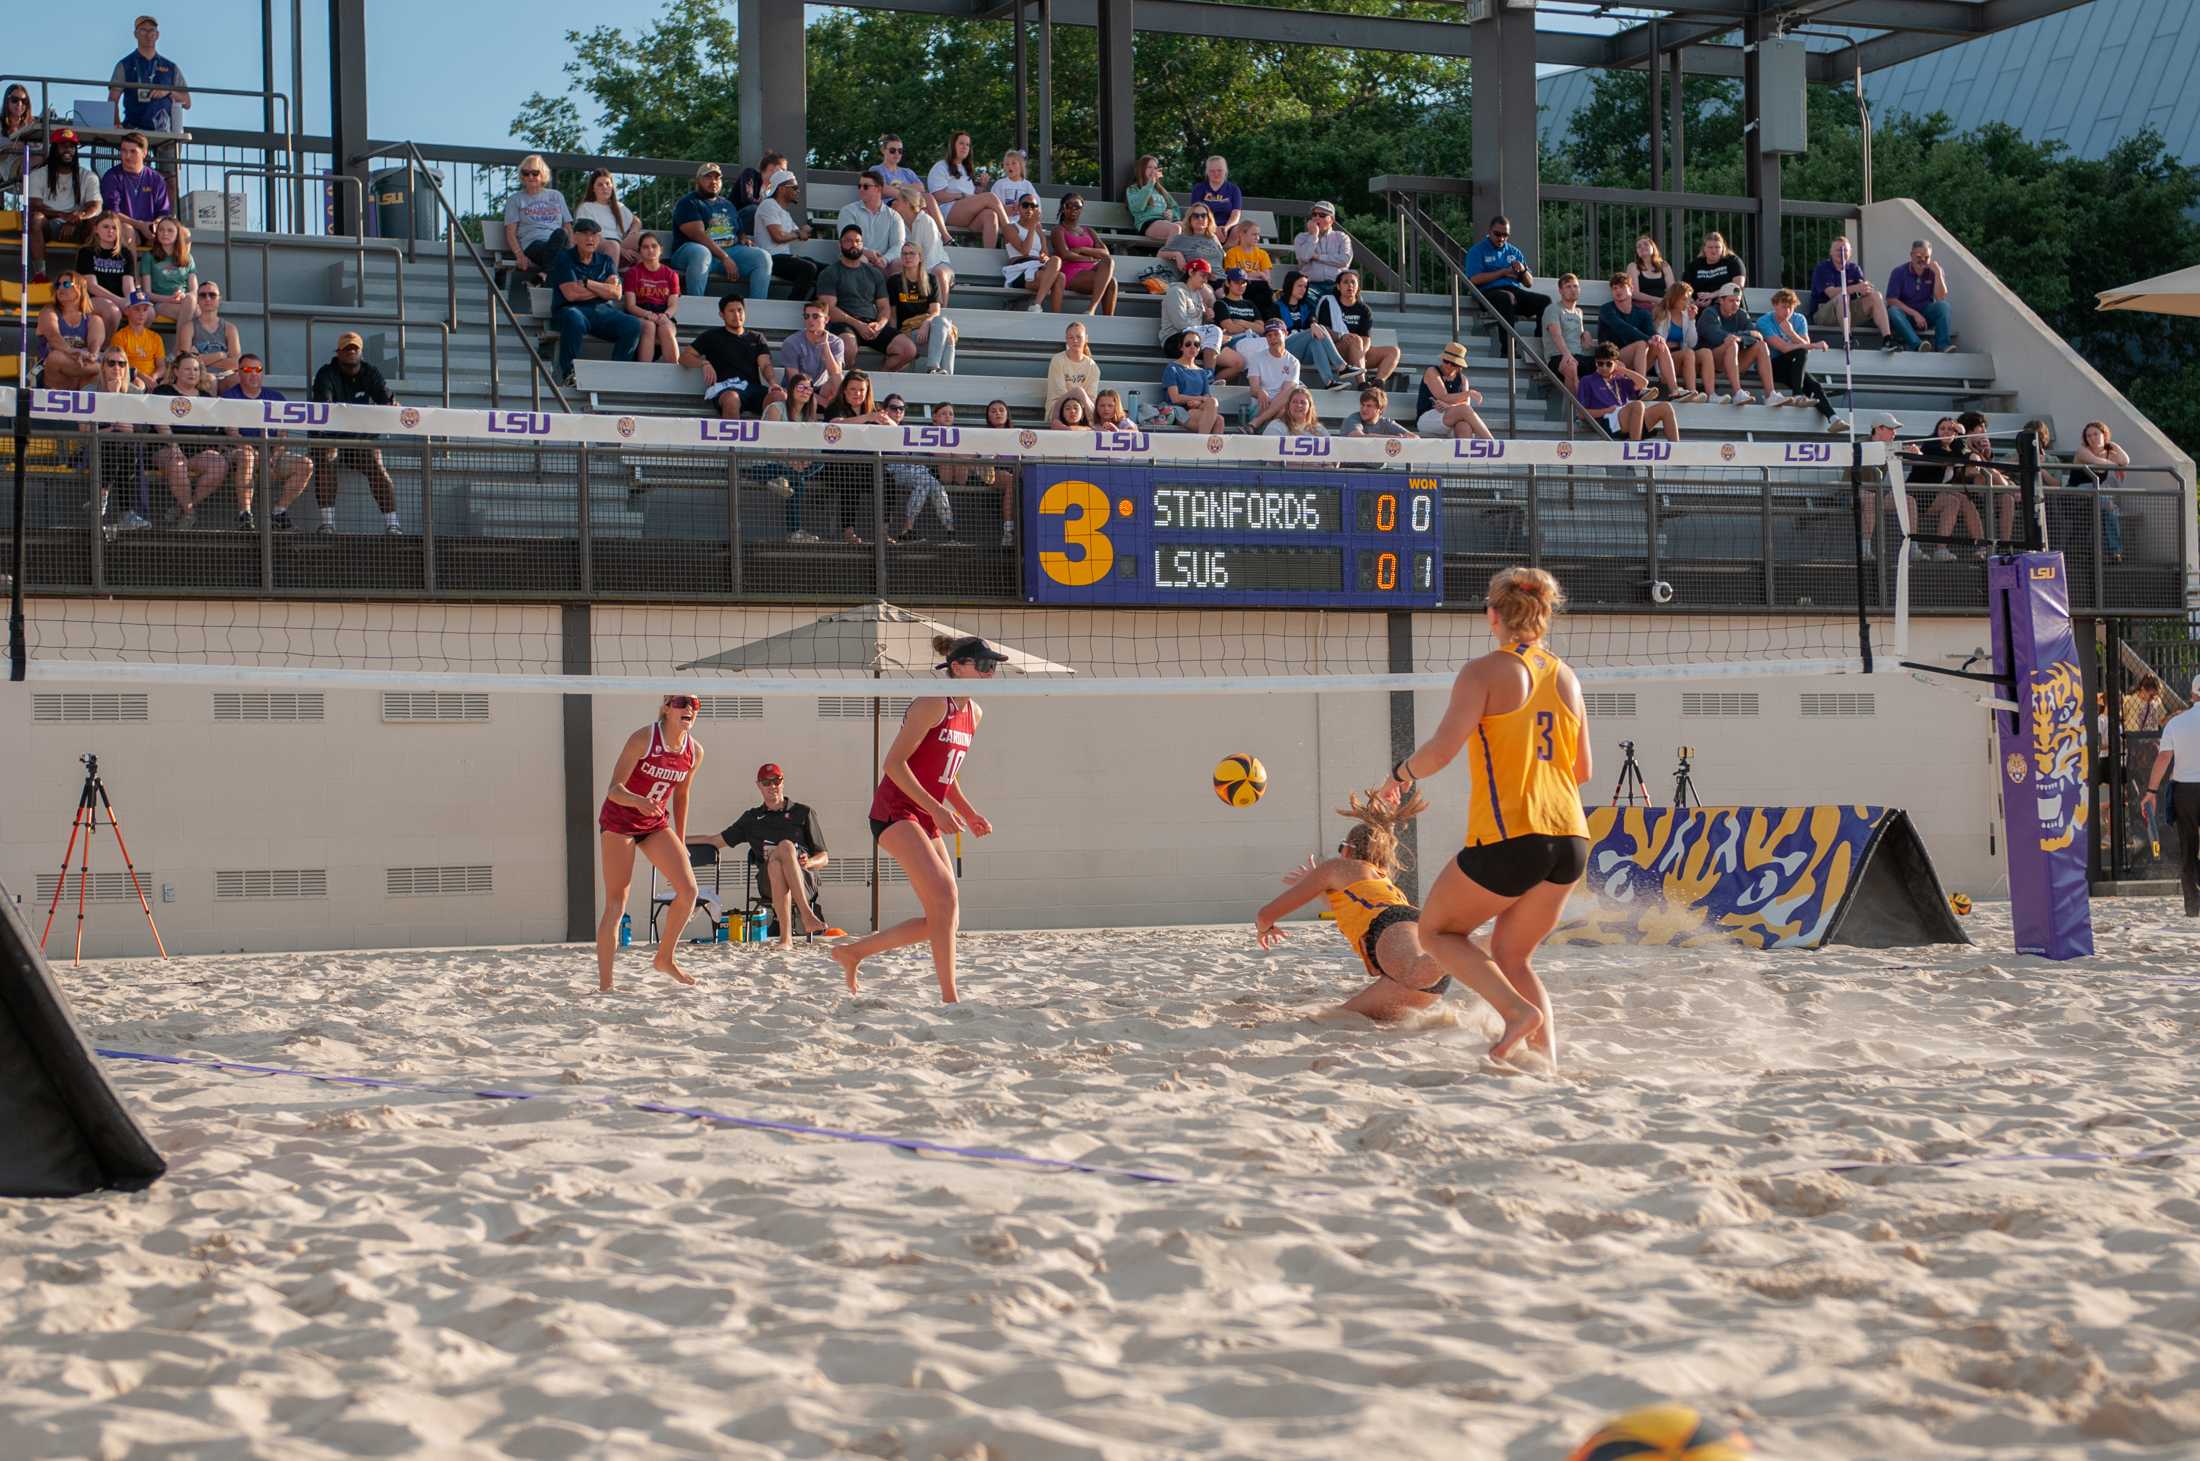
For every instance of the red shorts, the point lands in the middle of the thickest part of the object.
(626, 822)
(880, 824)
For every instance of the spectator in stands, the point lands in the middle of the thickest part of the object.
(953, 185)
(854, 406)
(622, 227)
(1188, 390)
(651, 293)
(292, 469)
(1444, 405)
(1187, 309)
(1674, 322)
(1197, 240)
(70, 337)
(1087, 266)
(736, 363)
(1010, 188)
(1153, 212)
(1715, 269)
(709, 229)
(1837, 274)
(1108, 413)
(195, 470)
(2106, 461)
(537, 224)
(881, 227)
(1352, 329)
(778, 230)
(817, 354)
(1372, 419)
(152, 91)
(1031, 267)
(1073, 372)
(212, 338)
(166, 273)
(1565, 339)
(1648, 272)
(135, 193)
(1223, 199)
(586, 294)
(1006, 473)
(64, 199)
(1941, 463)
(1875, 479)
(1501, 272)
(1247, 256)
(790, 479)
(16, 119)
(1310, 340)
(348, 380)
(750, 187)
(1298, 417)
(1324, 250)
(918, 323)
(1237, 316)
(890, 167)
(1735, 345)
(1977, 449)
(107, 268)
(1791, 348)
(121, 463)
(786, 845)
(1270, 373)
(1612, 394)
(1627, 322)
(908, 200)
(148, 354)
(917, 480)
(1918, 290)
(853, 291)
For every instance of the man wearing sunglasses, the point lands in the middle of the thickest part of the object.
(1498, 268)
(786, 846)
(294, 470)
(121, 463)
(348, 380)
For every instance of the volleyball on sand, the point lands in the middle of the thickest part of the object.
(1240, 780)
(1666, 1432)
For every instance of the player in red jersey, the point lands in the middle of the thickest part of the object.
(648, 808)
(916, 800)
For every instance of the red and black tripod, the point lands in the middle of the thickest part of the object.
(89, 803)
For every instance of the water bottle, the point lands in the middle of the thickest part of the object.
(626, 930)
(760, 926)
(725, 934)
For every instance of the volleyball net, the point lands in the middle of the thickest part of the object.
(519, 551)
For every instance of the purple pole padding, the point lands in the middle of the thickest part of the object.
(2043, 779)
(698, 1113)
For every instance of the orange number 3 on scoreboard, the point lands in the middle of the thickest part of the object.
(1089, 554)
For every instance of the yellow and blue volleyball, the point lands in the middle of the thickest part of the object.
(1240, 780)
(1666, 1432)
(1960, 902)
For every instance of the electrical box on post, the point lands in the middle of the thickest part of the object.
(1785, 126)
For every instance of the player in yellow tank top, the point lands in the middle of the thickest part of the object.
(1517, 716)
(1382, 927)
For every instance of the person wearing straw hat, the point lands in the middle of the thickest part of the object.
(1444, 404)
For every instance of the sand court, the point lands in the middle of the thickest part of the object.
(1379, 1239)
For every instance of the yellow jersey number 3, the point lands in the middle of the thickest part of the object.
(1087, 554)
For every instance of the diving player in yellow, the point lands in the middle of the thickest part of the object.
(1380, 925)
(1518, 715)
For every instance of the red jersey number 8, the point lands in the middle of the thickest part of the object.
(660, 792)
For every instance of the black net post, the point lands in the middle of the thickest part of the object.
(2034, 538)
(1856, 546)
(19, 648)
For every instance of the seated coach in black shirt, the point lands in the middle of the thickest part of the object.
(787, 844)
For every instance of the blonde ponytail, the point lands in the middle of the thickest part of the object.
(1375, 839)
(1526, 600)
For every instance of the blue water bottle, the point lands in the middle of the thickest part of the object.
(725, 933)
(626, 930)
(760, 926)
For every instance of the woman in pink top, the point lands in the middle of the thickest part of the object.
(1087, 266)
(653, 297)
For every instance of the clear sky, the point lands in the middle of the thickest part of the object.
(436, 71)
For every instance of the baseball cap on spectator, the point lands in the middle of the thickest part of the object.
(587, 225)
(62, 134)
(709, 169)
(137, 297)
(1197, 266)
(1233, 276)
(779, 180)
(1273, 327)
(770, 771)
(1887, 419)
(350, 337)
(1324, 207)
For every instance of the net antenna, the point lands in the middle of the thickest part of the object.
(19, 651)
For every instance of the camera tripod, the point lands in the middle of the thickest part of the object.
(1631, 790)
(1684, 787)
(89, 803)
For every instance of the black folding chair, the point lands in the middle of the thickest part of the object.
(710, 896)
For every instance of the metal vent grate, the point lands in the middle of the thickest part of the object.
(1720, 702)
(429, 707)
(732, 707)
(858, 707)
(1818, 703)
(1609, 703)
(83, 707)
(271, 882)
(103, 887)
(438, 882)
(857, 870)
(268, 705)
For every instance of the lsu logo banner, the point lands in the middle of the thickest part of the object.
(740, 431)
(2044, 795)
(940, 437)
(1136, 442)
(520, 423)
(1645, 451)
(1475, 448)
(1818, 452)
(1302, 446)
(64, 403)
(294, 413)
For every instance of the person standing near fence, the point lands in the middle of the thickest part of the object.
(2177, 761)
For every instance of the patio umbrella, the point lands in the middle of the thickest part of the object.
(875, 638)
(2168, 294)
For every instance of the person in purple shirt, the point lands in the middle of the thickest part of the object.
(134, 192)
(1918, 290)
(1221, 197)
(293, 469)
(1612, 395)
(1838, 272)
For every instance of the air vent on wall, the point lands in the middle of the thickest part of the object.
(271, 882)
(427, 707)
(268, 705)
(857, 870)
(858, 707)
(1841, 702)
(1721, 702)
(438, 882)
(103, 887)
(81, 707)
(1609, 703)
(732, 707)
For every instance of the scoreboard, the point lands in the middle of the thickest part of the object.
(1180, 536)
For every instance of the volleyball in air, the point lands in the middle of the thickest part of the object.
(1665, 1432)
(1960, 902)
(1240, 780)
